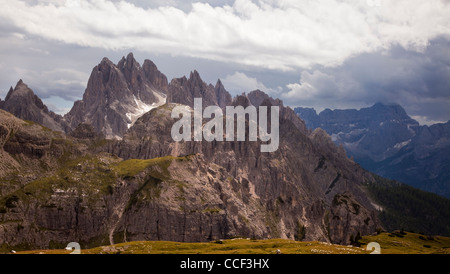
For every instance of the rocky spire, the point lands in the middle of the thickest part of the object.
(183, 91)
(116, 96)
(223, 96)
(23, 103)
(156, 78)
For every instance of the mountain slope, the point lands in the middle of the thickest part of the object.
(404, 207)
(385, 140)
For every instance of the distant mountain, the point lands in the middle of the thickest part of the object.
(23, 103)
(385, 140)
(117, 95)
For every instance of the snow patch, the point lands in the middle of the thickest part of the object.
(377, 207)
(334, 137)
(410, 129)
(141, 108)
(402, 144)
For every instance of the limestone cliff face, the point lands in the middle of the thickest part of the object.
(176, 199)
(296, 185)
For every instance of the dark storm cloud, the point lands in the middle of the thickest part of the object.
(419, 81)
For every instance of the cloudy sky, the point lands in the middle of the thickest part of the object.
(321, 53)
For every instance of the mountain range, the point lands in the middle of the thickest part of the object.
(109, 172)
(388, 142)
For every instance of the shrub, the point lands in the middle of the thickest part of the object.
(10, 201)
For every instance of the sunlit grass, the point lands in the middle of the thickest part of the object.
(410, 243)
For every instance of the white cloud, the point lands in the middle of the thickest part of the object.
(315, 85)
(64, 83)
(423, 120)
(239, 82)
(58, 105)
(272, 34)
(323, 90)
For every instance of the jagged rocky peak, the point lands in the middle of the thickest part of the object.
(131, 69)
(158, 79)
(24, 93)
(23, 103)
(241, 100)
(183, 91)
(256, 97)
(195, 79)
(20, 90)
(117, 95)
(223, 96)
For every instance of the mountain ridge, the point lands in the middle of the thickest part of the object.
(385, 140)
(116, 95)
(145, 186)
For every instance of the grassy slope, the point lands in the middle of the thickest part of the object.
(390, 243)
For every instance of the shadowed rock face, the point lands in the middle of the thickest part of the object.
(23, 103)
